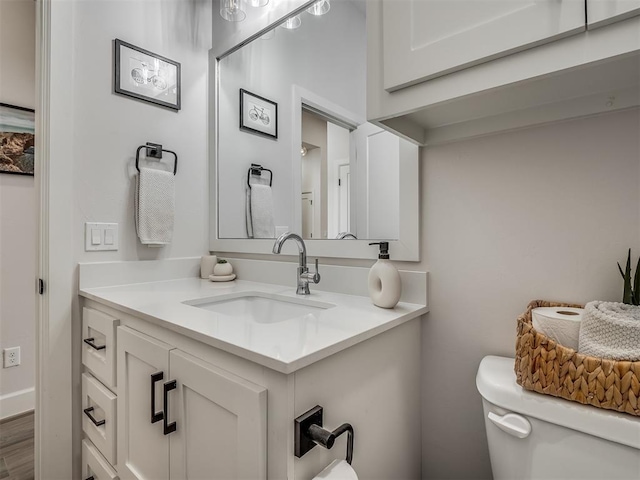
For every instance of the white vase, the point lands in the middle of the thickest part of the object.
(222, 269)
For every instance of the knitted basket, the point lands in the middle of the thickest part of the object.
(544, 366)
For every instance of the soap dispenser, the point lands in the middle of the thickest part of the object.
(385, 286)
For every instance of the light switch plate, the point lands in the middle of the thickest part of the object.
(101, 229)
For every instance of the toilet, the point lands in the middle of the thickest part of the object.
(534, 436)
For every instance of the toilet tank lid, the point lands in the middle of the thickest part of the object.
(496, 382)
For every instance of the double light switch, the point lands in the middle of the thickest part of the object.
(100, 236)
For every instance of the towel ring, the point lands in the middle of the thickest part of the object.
(154, 150)
(257, 170)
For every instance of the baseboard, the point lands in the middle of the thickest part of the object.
(16, 403)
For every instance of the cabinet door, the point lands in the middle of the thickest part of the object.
(604, 12)
(425, 39)
(143, 449)
(221, 423)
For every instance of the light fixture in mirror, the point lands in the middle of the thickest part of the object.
(258, 3)
(292, 23)
(319, 8)
(231, 10)
(336, 178)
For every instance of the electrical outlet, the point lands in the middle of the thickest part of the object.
(11, 357)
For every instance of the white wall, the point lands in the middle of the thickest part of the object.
(94, 135)
(542, 213)
(306, 57)
(17, 214)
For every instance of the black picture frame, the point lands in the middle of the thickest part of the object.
(258, 115)
(162, 89)
(17, 128)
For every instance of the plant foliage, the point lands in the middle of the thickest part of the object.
(631, 294)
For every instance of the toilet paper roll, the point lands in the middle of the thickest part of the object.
(207, 263)
(561, 324)
(337, 470)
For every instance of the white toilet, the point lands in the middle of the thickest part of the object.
(534, 436)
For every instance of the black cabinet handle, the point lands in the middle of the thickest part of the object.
(90, 478)
(89, 341)
(168, 427)
(155, 416)
(87, 412)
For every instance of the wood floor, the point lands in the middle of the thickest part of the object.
(16, 448)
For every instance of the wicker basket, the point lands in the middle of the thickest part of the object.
(544, 366)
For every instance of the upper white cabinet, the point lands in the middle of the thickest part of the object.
(425, 39)
(439, 71)
(604, 12)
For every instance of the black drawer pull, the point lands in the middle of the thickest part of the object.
(97, 423)
(90, 478)
(89, 341)
(168, 427)
(155, 416)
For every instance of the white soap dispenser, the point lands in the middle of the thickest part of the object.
(385, 286)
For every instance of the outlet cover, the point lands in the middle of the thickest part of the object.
(11, 357)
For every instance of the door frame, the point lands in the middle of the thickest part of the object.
(55, 420)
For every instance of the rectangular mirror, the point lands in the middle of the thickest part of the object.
(293, 150)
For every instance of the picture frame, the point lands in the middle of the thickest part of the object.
(17, 139)
(146, 76)
(258, 115)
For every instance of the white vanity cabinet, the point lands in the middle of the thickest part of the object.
(182, 418)
(604, 12)
(234, 416)
(427, 39)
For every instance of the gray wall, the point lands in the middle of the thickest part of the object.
(17, 213)
(544, 213)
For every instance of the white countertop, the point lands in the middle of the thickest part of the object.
(285, 346)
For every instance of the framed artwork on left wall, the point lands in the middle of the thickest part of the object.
(146, 76)
(17, 139)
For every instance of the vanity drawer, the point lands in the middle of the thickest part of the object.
(99, 344)
(94, 465)
(99, 416)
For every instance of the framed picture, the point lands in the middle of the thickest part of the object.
(17, 139)
(258, 115)
(146, 76)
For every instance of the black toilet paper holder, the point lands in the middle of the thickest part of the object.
(309, 433)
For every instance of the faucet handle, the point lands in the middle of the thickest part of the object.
(316, 274)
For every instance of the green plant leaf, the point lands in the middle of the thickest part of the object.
(621, 272)
(627, 296)
(636, 285)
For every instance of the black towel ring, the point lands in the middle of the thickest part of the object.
(257, 170)
(154, 150)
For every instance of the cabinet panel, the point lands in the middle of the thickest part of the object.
(221, 423)
(99, 416)
(604, 12)
(94, 465)
(143, 449)
(427, 39)
(99, 345)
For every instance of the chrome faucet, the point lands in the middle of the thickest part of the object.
(304, 276)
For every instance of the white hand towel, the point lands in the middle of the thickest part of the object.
(248, 214)
(154, 206)
(262, 212)
(611, 330)
(337, 470)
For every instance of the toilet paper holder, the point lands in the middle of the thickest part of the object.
(309, 433)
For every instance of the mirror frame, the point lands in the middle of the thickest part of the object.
(405, 248)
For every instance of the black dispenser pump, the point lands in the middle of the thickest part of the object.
(384, 250)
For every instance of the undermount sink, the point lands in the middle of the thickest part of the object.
(260, 307)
